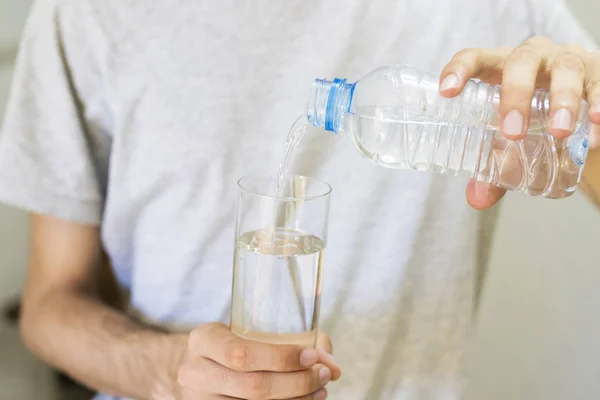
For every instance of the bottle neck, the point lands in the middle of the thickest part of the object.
(328, 102)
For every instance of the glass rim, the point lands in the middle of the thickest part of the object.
(255, 178)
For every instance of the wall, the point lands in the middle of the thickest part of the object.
(13, 223)
(539, 326)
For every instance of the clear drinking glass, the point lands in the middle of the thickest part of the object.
(281, 236)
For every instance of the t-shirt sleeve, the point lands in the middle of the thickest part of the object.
(46, 164)
(555, 20)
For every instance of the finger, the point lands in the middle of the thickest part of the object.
(267, 385)
(320, 394)
(324, 343)
(328, 360)
(485, 64)
(566, 91)
(518, 85)
(217, 397)
(324, 348)
(594, 139)
(196, 378)
(592, 94)
(217, 343)
(482, 196)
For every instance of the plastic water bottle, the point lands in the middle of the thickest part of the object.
(396, 118)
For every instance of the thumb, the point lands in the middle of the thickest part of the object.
(325, 349)
(324, 343)
(482, 196)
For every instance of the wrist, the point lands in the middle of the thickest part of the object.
(163, 382)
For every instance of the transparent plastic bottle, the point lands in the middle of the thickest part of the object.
(396, 118)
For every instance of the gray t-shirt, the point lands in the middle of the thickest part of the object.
(139, 116)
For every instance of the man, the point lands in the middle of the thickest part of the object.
(130, 121)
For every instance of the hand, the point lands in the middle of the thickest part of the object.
(220, 365)
(568, 72)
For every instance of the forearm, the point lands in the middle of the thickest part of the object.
(97, 345)
(590, 181)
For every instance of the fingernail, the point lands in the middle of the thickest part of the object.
(308, 357)
(562, 119)
(450, 82)
(513, 123)
(324, 375)
(320, 395)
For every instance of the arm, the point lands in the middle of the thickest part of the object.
(590, 181)
(47, 167)
(67, 327)
(64, 324)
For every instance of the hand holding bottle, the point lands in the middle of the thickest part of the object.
(568, 72)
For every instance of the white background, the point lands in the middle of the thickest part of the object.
(538, 333)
